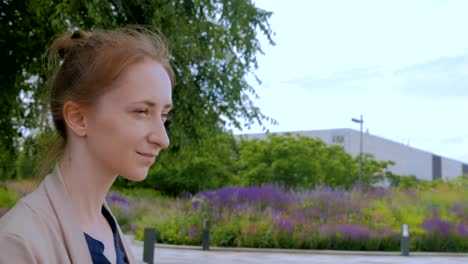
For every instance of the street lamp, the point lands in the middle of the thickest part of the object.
(360, 121)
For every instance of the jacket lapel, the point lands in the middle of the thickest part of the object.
(73, 236)
(123, 241)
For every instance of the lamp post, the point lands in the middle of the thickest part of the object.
(405, 240)
(148, 245)
(361, 122)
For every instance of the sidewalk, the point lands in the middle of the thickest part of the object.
(181, 255)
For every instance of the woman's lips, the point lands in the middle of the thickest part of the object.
(149, 157)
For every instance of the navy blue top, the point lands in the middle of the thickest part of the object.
(96, 247)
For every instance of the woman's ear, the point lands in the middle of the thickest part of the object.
(74, 117)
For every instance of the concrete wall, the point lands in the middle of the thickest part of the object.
(451, 168)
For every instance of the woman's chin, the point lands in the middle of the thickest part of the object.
(136, 176)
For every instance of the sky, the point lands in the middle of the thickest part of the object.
(403, 65)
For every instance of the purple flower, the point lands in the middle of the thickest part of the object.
(116, 198)
(230, 197)
(345, 231)
(327, 231)
(353, 231)
(434, 209)
(323, 215)
(460, 209)
(193, 231)
(195, 205)
(462, 230)
(435, 225)
(283, 224)
(300, 216)
(378, 192)
(387, 232)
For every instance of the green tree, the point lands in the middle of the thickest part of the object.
(339, 167)
(25, 29)
(294, 161)
(214, 45)
(300, 161)
(374, 170)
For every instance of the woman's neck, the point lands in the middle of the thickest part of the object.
(87, 184)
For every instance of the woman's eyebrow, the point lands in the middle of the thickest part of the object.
(152, 104)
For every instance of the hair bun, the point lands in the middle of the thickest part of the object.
(79, 34)
(68, 43)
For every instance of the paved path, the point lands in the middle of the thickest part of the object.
(181, 256)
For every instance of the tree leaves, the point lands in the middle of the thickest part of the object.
(214, 44)
(302, 162)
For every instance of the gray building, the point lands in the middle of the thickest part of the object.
(409, 160)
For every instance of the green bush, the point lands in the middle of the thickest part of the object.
(8, 198)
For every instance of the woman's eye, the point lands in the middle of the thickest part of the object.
(142, 111)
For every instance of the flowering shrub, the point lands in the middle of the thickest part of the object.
(273, 217)
(323, 218)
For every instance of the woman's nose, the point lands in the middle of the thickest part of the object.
(159, 136)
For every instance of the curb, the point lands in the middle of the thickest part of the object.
(300, 251)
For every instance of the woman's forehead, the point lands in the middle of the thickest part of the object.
(144, 82)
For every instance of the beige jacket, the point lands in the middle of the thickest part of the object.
(43, 228)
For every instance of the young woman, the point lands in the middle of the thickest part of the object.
(109, 99)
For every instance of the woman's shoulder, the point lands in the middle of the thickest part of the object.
(28, 228)
(17, 226)
(30, 216)
(15, 249)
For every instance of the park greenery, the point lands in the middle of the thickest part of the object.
(270, 216)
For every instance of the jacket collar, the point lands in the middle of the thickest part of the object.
(122, 240)
(73, 236)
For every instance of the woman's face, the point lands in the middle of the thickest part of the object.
(126, 126)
